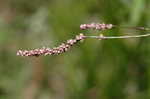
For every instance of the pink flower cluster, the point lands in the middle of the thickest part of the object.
(96, 26)
(54, 51)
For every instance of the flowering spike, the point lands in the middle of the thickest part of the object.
(96, 26)
(54, 51)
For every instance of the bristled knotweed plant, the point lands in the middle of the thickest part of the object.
(69, 43)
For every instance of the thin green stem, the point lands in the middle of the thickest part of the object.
(117, 37)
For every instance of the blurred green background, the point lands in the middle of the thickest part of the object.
(94, 69)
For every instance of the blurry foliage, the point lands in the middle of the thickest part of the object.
(107, 69)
